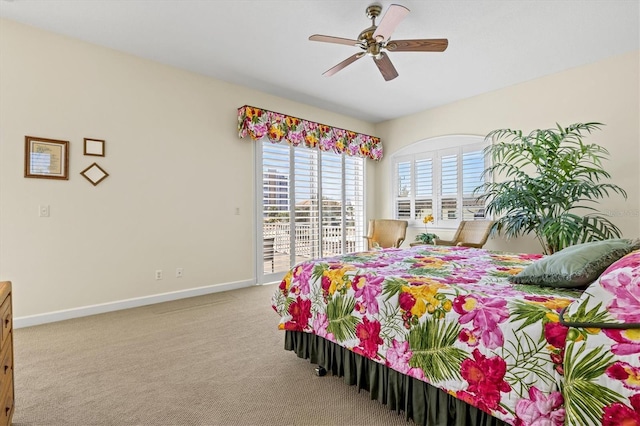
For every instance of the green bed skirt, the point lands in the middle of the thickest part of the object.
(418, 400)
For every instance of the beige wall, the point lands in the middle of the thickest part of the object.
(177, 173)
(178, 170)
(607, 91)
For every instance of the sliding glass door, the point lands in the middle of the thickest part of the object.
(311, 205)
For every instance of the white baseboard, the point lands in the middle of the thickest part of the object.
(28, 321)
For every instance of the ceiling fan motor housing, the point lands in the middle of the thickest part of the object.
(371, 46)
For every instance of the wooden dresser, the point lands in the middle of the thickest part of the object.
(6, 354)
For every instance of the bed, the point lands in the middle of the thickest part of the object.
(442, 335)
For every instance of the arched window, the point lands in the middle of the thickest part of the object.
(438, 176)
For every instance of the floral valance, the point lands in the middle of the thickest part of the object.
(258, 123)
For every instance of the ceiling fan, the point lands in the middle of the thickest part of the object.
(375, 39)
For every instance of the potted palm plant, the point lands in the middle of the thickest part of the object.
(551, 181)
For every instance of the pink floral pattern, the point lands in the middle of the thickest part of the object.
(627, 341)
(618, 288)
(320, 324)
(626, 373)
(398, 356)
(369, 334)
(300, 312)
(258, 123)
(555, 334)
(507, 350)
(540, 409)
(485, 314)
(615, 299)
(301, 275)
(486, 380)
(624, 283)
(368, 288)
(619, 414)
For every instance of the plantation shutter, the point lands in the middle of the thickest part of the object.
(312, 205)
(276, 203)
(449, 187)
(403, 189)
(424, 188)
(472, 168)
(354, 204)
(439, 178)
(306, 240)
(332, 196)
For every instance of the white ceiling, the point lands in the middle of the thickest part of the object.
(263, 44)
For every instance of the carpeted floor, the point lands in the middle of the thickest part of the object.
(210, 360)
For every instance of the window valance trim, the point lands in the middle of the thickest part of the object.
(258, 123)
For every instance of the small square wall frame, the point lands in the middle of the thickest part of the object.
(94, 174)
(46, 158)
(94, 147)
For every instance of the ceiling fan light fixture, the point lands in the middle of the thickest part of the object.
(374, 50)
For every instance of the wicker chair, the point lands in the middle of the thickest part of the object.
(385, 233)
(470, 233)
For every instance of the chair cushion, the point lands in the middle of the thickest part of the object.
(575, 266)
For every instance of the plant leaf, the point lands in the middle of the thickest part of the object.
(392, 286)
(526, 361)
(566, 180)
(342, 322)
(432, 345)
(584, 398)
(530, 313)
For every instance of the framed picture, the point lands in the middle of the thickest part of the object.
(46, 158)
(94, 147)
(94, 174)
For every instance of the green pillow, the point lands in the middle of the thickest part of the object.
(575, 266)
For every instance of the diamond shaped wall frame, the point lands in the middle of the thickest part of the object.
(94, 174)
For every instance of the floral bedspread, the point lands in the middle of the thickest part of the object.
(450, 317)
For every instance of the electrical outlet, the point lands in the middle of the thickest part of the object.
(158, 274)
(43, 210)
(237, 211)
(179, 272)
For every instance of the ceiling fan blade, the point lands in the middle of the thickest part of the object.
(419, 45)
(385, 66)
(351, 59)
(392, 17)
(337, 40)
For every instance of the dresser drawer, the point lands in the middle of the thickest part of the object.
(8, 404)
(7, 321)
(6, 355)
(6, 366)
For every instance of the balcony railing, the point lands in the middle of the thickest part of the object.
(306, 242)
